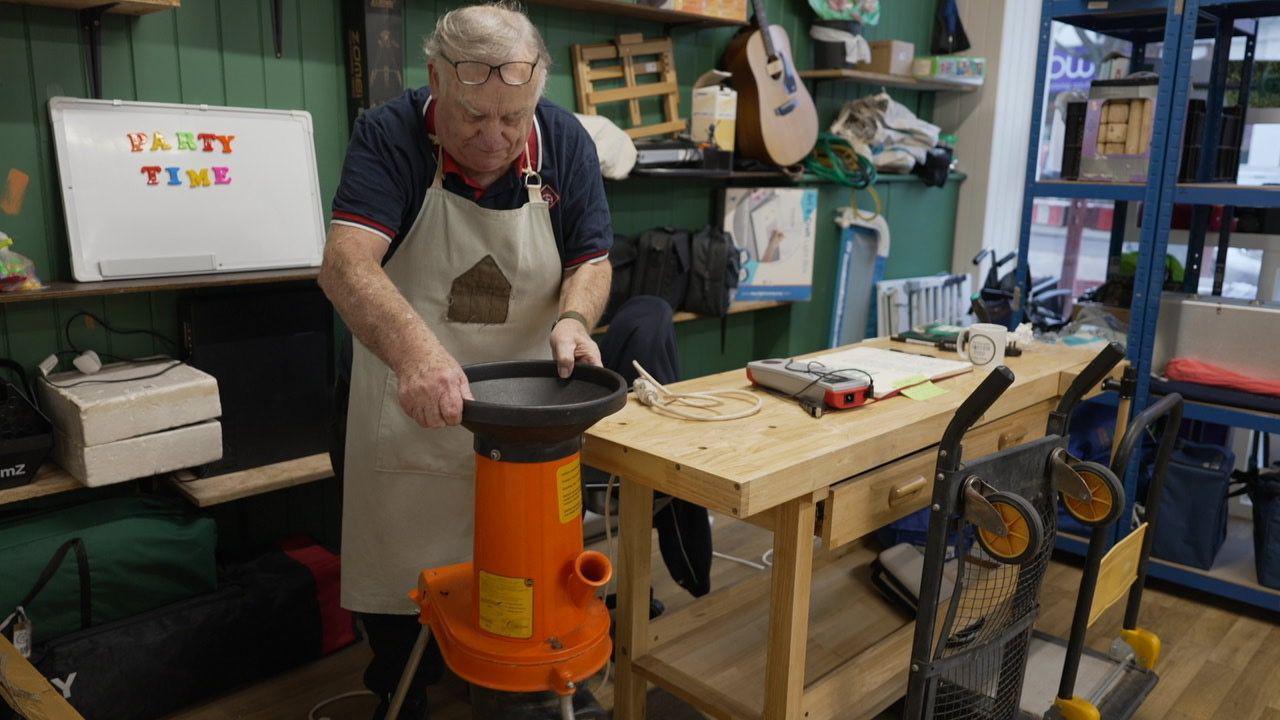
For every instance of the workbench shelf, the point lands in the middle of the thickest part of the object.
(712, 654)
(50, 480)
(63, 290)
(1176, 25)
(638, 11)
(126, 7)
(204, 492)
(906, 82)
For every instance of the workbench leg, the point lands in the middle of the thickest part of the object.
(635, 535)
(789, 610)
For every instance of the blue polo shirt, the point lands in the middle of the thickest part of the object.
(391, 162)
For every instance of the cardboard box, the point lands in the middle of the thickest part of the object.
(891, 57)
(715, 109)
(776, 229)
(142, 456)
(138, 399)
(952, 68)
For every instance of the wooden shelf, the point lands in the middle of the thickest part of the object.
(712, 654)
(127, 7)
(58, 290)
(50, 480)
(255, 481)
(906, 82)
(734, 309)
(640, 12)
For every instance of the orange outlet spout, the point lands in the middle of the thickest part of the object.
(591, 571)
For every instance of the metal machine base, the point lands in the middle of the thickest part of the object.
(489, 704)
(1116, 687)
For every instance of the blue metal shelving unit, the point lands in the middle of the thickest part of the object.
(1176, 24)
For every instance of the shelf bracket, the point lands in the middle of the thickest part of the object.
(277, 26)
(91, 30)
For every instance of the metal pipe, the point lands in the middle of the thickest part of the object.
(410, 669)
(1084, 602)
(1170, 405)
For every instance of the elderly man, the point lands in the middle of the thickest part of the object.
(468, 227)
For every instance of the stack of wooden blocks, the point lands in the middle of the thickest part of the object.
(1126, 127)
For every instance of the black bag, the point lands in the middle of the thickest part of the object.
(713, 272)
(662, 265)
(622, 260)
(1264, 493)
(266, 619)
(1192, 524)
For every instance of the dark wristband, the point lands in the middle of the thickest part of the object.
(571, 315)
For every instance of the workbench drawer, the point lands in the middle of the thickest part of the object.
(863, 503)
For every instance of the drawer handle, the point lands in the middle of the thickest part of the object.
(906, 490)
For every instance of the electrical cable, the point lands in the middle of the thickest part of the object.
(824, 375)
(833, 159)
(66, 331)
(91, 381)
(652, 393)
(316, 708)
(740, 561)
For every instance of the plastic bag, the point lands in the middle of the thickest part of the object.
(17, 272)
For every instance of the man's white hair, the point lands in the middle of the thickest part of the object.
(494, 33)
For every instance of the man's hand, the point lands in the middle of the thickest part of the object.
(570, 343)
(431, 392)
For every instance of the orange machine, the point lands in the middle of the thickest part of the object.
(524, 617)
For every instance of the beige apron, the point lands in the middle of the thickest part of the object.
(408, 491)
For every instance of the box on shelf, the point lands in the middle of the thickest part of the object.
(141, 456)
(133, 420)
(891, 57)
(775, 229)
(129, 399)
(1117, 129)
(951, 68)
(715, 110)
(26, 436)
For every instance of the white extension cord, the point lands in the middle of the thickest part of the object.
(706, 405)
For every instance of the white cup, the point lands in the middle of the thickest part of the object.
(982, 344)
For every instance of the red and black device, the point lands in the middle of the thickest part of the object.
(815, 386)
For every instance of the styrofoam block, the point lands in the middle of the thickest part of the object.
(141, 456)
(94, 413)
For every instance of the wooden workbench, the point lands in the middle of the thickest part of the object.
(813, 640)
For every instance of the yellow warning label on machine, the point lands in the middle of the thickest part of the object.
(506, 605)
(569, 487)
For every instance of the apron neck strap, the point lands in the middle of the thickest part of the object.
(532, 180)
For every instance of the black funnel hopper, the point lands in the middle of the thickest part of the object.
(525, 412)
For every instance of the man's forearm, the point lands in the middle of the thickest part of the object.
(375, 310)
(585, 290)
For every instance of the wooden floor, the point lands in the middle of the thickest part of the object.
(1218, 661)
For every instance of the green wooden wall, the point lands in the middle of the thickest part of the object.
(220, 52)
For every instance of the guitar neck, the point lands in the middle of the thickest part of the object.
(763, 21)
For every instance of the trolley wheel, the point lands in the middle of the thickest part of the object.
(1024, 531)
(1106, 495)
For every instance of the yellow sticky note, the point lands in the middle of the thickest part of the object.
(924, 391)
(909, 381)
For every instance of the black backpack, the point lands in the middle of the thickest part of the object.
(714, 266)
(662, 265)
(622, 259)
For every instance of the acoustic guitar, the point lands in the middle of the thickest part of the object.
(777, 121)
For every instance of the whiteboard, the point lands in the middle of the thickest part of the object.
(243, 195)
